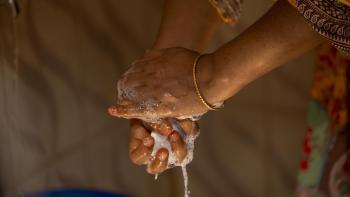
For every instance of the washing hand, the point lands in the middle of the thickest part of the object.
(161, 85)
(141, 143)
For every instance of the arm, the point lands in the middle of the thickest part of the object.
(279, 36)
(187, 23)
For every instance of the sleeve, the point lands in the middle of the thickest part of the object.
(228, 10)
(330, 18)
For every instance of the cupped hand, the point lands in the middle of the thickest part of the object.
(141, 143)
(161, 85)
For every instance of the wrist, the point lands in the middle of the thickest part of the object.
(212, 87)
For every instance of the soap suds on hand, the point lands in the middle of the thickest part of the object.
(148, 107)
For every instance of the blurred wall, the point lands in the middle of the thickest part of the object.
(59, 63)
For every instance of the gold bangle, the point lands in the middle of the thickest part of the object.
(194, 72)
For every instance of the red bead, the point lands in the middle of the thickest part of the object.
(307, 149)
(304, 165)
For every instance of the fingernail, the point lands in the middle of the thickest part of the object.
(162, 154)
(112, 110)
(174, 136)
(148, 141)
(186, 125)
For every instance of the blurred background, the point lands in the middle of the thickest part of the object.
(59, 64)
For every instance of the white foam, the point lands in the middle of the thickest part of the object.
(125, 91)
(162, 141)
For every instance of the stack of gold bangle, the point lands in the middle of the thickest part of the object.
(194, 72)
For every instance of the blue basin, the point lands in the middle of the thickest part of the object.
(75, 193)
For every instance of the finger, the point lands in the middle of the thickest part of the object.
(148, 141)
(133, 144)
(178, 146)
(141, 155)
(112, 110)
(139, 111)
(163, 127)
(138, 131)
(190, 127)
(139, 135)
(141, 143)
(160, 163)
(125, 111)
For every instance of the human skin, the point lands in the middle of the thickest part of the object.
(197, 27)
(165, 76)
(141, 143)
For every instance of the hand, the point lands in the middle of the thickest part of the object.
(141, 143)
(161, 85)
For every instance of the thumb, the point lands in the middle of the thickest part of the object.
(126, 111)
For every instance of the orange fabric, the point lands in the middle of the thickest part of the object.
(229, 11)
(330, 85)
(345, 2)
(293, 2)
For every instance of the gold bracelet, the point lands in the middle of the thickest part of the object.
(194, 72)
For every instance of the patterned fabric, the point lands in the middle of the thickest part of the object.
(228, 10)
(325, 164)
(330, 19)
(330, 86)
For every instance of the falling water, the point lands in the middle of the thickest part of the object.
(185, 176)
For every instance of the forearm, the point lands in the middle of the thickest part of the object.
(280, 35)
(187, 23)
